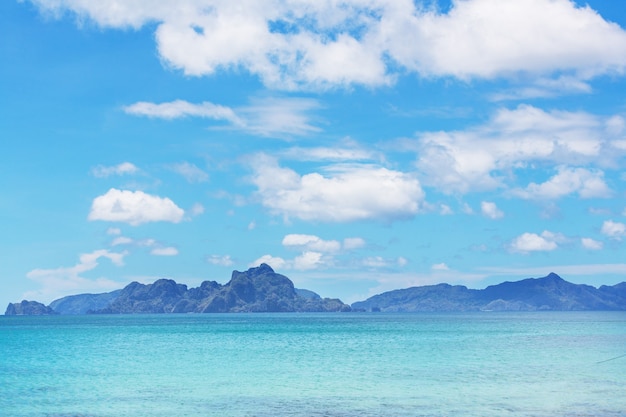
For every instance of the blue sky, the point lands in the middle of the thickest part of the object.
(355, 146)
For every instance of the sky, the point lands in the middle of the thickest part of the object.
(356, 146)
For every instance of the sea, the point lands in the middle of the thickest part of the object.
(483, 364)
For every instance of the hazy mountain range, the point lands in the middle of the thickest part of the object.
(547, 293)
(261, 289)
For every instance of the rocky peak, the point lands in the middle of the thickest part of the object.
(28, 308)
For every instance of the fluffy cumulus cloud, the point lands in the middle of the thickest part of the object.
(316, 44)
(591, 244)
(315, 252)
(584, 182)
(532, 242)
(440, 267)
(614, 230)
(343, 193)
(309, 260)
(222, 260)
(483, 158)
(69, 280)
(124, 168)
(134, 208)
(491, 210)
(311, 242)
(164, 251)
(275, 262)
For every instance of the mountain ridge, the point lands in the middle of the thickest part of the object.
(531, 294)
(260, 289)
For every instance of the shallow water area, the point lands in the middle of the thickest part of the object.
(346, 364)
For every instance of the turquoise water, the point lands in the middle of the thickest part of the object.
(480, 364)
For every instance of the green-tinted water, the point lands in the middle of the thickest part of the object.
(482, 364)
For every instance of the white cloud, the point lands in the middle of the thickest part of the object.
(62, 281)
(614, 230)
(545, 88)
(345, 193)
(311, 243)
(586, 183)
(279, 117)
(156, 248)
(376, 262)
(313, 44)
(334, 154)
(591, 244)
(491, 210)
(276, 263)
(179, 108)
(308, 260)
(445, 210)
(222, 260)
(351, 243)
(483, 158)
(196, 210)
(121, 240)
(134, 208)
(317, 253)
(146, 243)
(114, 231)
(164, 251)
(124, 168)
(269, 116)
(490, 38)
(381, 263)
(190, 172)
(615, 125)
(440, 267)
(532, 242)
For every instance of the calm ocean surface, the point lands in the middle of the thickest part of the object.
(351, 364)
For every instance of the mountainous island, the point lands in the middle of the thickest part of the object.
(548, 293)
(258, 289)
(261, 289)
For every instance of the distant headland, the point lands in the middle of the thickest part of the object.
(260, 289)
(256, 290)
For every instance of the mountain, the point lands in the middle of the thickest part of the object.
(548, 293)
(261, 289)
(255, 290)
(28, 308)
(82, 303)
(258, 289)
